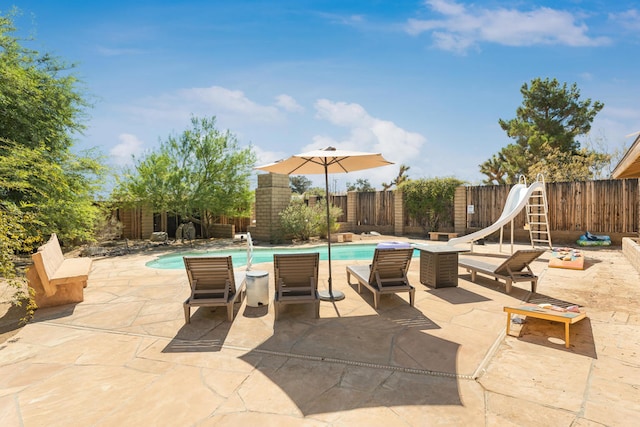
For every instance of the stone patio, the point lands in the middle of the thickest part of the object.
(125, 357)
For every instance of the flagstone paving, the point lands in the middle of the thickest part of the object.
(124, 356)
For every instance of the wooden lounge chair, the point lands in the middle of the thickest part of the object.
(213, 283)
(387, 274)
(296, 280)
(513, 269)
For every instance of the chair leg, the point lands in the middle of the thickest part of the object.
(508, 286)
(187, 313)
(412, 297)
(276, 306)
(534, 285)
(317, 308)
(376, 300)
(230, 311)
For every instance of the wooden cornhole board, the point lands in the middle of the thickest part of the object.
(572, 259)
(533, 310)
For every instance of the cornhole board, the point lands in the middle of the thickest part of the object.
(533, 310)
(572, 259)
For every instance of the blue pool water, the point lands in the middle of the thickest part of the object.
(239, 256)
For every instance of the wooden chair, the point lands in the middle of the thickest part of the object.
(387, 274)
(296, 280)
(514, 269)
(213, 283)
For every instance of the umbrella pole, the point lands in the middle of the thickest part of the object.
(331, 295)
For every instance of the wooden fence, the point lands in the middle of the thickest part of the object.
(604, 206)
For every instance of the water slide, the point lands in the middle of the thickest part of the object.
(516, 201)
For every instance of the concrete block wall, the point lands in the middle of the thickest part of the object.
(272, 197)
(352, 200)
(460, 210)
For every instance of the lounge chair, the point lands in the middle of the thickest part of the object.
(387, 274)
(296, 280)
(514, 269)
(213, 283)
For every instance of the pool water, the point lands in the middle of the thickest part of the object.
(239, 256)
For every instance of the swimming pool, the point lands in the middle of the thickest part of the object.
(239, 256)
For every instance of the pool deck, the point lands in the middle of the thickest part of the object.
(125, 357)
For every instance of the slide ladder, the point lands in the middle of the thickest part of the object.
(537, 210)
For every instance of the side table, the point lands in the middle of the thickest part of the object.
(439, 265)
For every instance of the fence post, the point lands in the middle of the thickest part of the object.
(460, 210)
(398, 214)
(352, 210)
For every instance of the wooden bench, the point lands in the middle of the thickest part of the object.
(435, 235)
(57, 280)
(532, 310)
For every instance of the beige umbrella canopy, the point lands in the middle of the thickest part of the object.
(326, 161)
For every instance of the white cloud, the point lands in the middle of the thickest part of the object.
(466, 26)
(629, 20)
(367, 133)
(232, 107)
(288, 103)
(129, 146)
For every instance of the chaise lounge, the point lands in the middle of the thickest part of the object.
(296, 280)
(387, 274)
(213, 283)
(514, 269)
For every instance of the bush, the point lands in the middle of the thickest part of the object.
(301, 222)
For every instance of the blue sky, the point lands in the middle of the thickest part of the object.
(422, 82)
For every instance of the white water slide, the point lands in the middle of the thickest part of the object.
(516, 201)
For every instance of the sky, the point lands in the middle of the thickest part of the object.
(422, 82)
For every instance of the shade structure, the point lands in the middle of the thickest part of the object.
(326, 161)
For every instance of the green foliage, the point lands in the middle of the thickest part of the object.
(559, 166)
(202, 169)
(57, 189)
(40, 103)
(44, 187)
(362, 185)
(301, 222)
(315, 191)
(429, 200)
(299, 184)
(547, 123)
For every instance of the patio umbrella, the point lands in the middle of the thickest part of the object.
(326, 161)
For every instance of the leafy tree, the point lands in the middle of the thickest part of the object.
(200, 170)
(402, 177)
(57, 192)
(44, 187)
(362, 185)
(549, 120)
(299, 184)
(40, 103)
(429, 200)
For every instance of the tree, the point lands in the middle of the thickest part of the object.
(44, 187)
(402, 177)
(429, 200)
(202, 170)
(41, 108)
(549, 120)
(362, 185)
(299, 184)
(40, 103)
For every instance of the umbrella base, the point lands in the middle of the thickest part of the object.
(331, 296)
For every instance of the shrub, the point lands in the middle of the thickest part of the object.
(299, 221)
